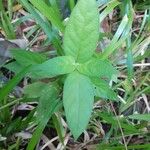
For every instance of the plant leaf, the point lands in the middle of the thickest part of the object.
(49, 94)
(53, 67)
(82, 31)
(7, 26)
(14, 67)
(145, 117)
(59, 127)
(34, 90)
(48, 104)
(120, 36)
(26, 58)
(49, 12)
(98, 68)
(12, 83)
(103, 90)
(78, 102)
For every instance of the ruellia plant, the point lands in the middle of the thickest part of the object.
(81, 73)
(84, 72)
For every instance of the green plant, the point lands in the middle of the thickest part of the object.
(86, 76)
(77, 75)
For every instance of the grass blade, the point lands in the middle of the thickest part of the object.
(129, 12)
(7, 26)
(45, 26)
(117, 39)
(108, 9)
(12, 83)
(145, 117)
(49, 13)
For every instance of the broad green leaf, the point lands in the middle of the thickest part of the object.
(14, 67)
(78, 102)
(53, 67)
(12, 83)
(82, 31)
(103, 90)
(34, 90)
(26, 58)
(48, 104)
(144, 117)
(98, 68)
(48, 97)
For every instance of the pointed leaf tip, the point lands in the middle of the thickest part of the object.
(78, 102)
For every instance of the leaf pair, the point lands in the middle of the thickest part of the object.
(80, 40)
(80, 88)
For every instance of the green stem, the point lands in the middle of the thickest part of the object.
(129, 62)
(10, 104)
